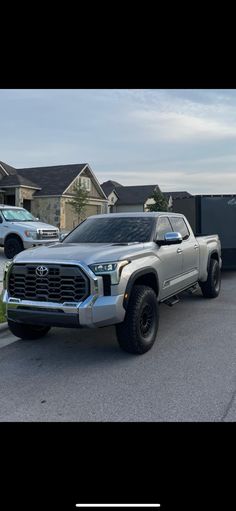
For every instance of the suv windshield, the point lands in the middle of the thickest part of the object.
(113, 230)
(17, 215)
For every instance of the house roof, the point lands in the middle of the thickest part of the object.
(135, 194)
(17, 180)
(10, 170)
(52, 180)
(109, 186)
(177, 195)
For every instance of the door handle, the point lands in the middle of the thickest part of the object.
(179, 251)
(196, 247)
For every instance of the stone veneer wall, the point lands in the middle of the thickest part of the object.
(69, 218)
(22, 193)
(48, 209)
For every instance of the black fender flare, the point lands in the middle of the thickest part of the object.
(134, 277)
(213, 253)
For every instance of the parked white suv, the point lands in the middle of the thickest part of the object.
(20, 230)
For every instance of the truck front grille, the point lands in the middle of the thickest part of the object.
(46, 234)
(63, 283)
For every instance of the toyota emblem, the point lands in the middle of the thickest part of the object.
(41, 271)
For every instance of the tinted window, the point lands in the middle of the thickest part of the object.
(179, 225)
(163, 226)
(112, 230)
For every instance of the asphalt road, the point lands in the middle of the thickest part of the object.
(189, 375)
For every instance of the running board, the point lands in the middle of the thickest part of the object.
(172, 301)
(193, 289)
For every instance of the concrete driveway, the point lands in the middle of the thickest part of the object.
(189, 375)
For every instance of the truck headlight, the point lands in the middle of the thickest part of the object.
(32, 234)
(112, 269)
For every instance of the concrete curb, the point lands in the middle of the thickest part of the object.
(3, 327)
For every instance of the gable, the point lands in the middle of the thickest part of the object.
(95, 190)
(52, 180)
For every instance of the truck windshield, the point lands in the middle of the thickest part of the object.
(113, 230)
(17, 215)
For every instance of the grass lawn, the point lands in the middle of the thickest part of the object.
(2, 312)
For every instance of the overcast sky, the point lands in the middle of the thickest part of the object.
(178, 139)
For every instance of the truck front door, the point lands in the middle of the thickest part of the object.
(171, 258)
(190, 251)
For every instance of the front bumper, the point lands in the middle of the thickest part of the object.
(38, 243)
(95, 311)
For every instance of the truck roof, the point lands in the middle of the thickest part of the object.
(137, 214)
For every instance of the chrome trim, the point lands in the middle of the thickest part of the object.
(96, 289)
(173, 237)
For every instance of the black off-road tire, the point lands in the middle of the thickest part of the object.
(12, 246)
(211, 288)
(27, 332)
(138, 331)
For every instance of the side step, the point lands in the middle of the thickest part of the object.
(172, 301)
(193, 289)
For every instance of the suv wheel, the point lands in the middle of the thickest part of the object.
(12, 247)
(27, 332)
(138, 331)
(211, 288)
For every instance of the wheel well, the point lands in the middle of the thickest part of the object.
(13, 235)
(215, 256)
(212, 256)
(148, 279)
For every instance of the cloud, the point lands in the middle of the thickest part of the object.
(180, 139)
(173, 126)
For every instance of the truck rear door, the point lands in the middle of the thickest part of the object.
(190, 251)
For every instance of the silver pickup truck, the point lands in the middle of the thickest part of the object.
(111, 270)
(20, 230)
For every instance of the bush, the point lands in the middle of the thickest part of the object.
(2, 312)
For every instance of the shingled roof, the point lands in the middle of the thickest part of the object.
(10, 170)
(109, 186)
(17, 180)
(51, 180)
(135, 194)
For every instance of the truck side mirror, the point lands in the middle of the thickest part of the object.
(170, 238)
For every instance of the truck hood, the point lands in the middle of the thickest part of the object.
(87, 253)
(32, 226)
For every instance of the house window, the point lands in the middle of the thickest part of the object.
(85, 182)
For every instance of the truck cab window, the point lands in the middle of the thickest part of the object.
(179, 225)
(163, 226)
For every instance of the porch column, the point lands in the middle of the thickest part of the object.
(18, 197)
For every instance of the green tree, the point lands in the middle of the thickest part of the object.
(79, 200)
(160, 204)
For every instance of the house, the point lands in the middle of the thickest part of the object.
(172, 196)
(135, 198)
(46, 191)
(128, 198)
